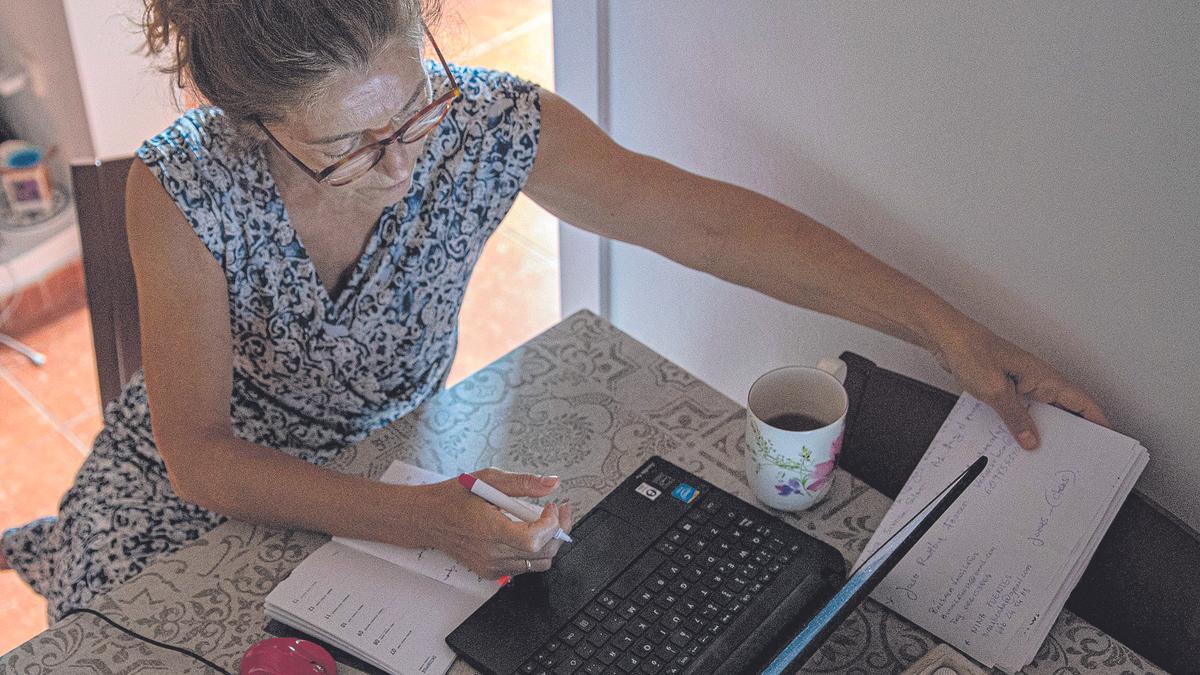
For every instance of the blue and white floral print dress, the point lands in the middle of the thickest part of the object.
(311, 374)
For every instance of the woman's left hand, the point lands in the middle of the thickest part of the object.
(999, 373)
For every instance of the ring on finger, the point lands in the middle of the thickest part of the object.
(528, 565)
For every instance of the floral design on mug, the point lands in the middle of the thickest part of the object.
(769, 456)
(818, 475)
(792, 486)
(825, 469)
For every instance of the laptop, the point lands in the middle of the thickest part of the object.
(671, 575)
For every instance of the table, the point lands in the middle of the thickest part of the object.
(582, 400)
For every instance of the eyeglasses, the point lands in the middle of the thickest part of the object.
(359, 162)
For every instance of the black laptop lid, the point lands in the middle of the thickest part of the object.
(863, 580)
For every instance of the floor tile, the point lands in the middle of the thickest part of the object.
(513, 296)
(22, 612)
(66, 385)
(37, 465)
(466, 23)
(534, 226)
(527, 55)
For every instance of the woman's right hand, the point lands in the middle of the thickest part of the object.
(481, 536)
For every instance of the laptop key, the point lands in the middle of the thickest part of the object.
(668, 651)
(585, 650)
(608, 654)
(652, 665)
(613, 623)
(652, 613)
(607, 600)
(682, 638)
(628, 662)
(622, 642)
(658, 634)
(596, 611)
(599, 636)
(666, 600)
(643, 648)
(666, 547)
(584, 623)
(724, 596)
(629, 610)
(593, 668)
(568, 665)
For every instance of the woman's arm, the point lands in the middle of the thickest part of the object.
(583, 177)
(188, 364)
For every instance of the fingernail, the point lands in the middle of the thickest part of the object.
(1027, 440)
(548, 481)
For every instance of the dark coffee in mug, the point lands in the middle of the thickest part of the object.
(795, 422)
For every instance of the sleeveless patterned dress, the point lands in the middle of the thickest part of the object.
(311, 374)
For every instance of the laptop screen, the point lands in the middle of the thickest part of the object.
(873, 570)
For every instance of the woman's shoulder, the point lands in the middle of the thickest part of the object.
(482, 84)
(199, 133)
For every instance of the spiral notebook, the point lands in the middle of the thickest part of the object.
(992, 577)
(390, 607)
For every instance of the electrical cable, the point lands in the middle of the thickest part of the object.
(123, 629)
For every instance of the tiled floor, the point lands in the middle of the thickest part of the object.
(49, 415)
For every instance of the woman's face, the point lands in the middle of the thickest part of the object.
(358, 108)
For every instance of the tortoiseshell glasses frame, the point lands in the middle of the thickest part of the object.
(417, 127)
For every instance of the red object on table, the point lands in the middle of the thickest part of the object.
(286, 656)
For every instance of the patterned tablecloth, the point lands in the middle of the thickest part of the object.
(582, 400)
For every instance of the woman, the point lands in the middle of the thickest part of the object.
(301, 251)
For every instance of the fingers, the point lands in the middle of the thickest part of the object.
(524, 540)
(1076, 401)
(518, 484)
(1004, 399)
(1058, 392)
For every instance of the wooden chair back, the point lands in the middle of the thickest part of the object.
(99, 190)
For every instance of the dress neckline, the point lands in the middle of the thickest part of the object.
(333, 306)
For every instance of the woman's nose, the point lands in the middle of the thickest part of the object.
(397, 162)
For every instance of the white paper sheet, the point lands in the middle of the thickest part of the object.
(990, 576)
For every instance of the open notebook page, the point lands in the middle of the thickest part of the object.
(425, 561)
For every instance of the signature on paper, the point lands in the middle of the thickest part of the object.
(1059, 484)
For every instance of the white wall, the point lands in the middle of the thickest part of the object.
(127, 100)
(1038, 166)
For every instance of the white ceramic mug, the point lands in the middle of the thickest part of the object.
(790, 469)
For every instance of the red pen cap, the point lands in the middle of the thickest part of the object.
(466, 480)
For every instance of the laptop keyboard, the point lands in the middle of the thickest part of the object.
(674, 600)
